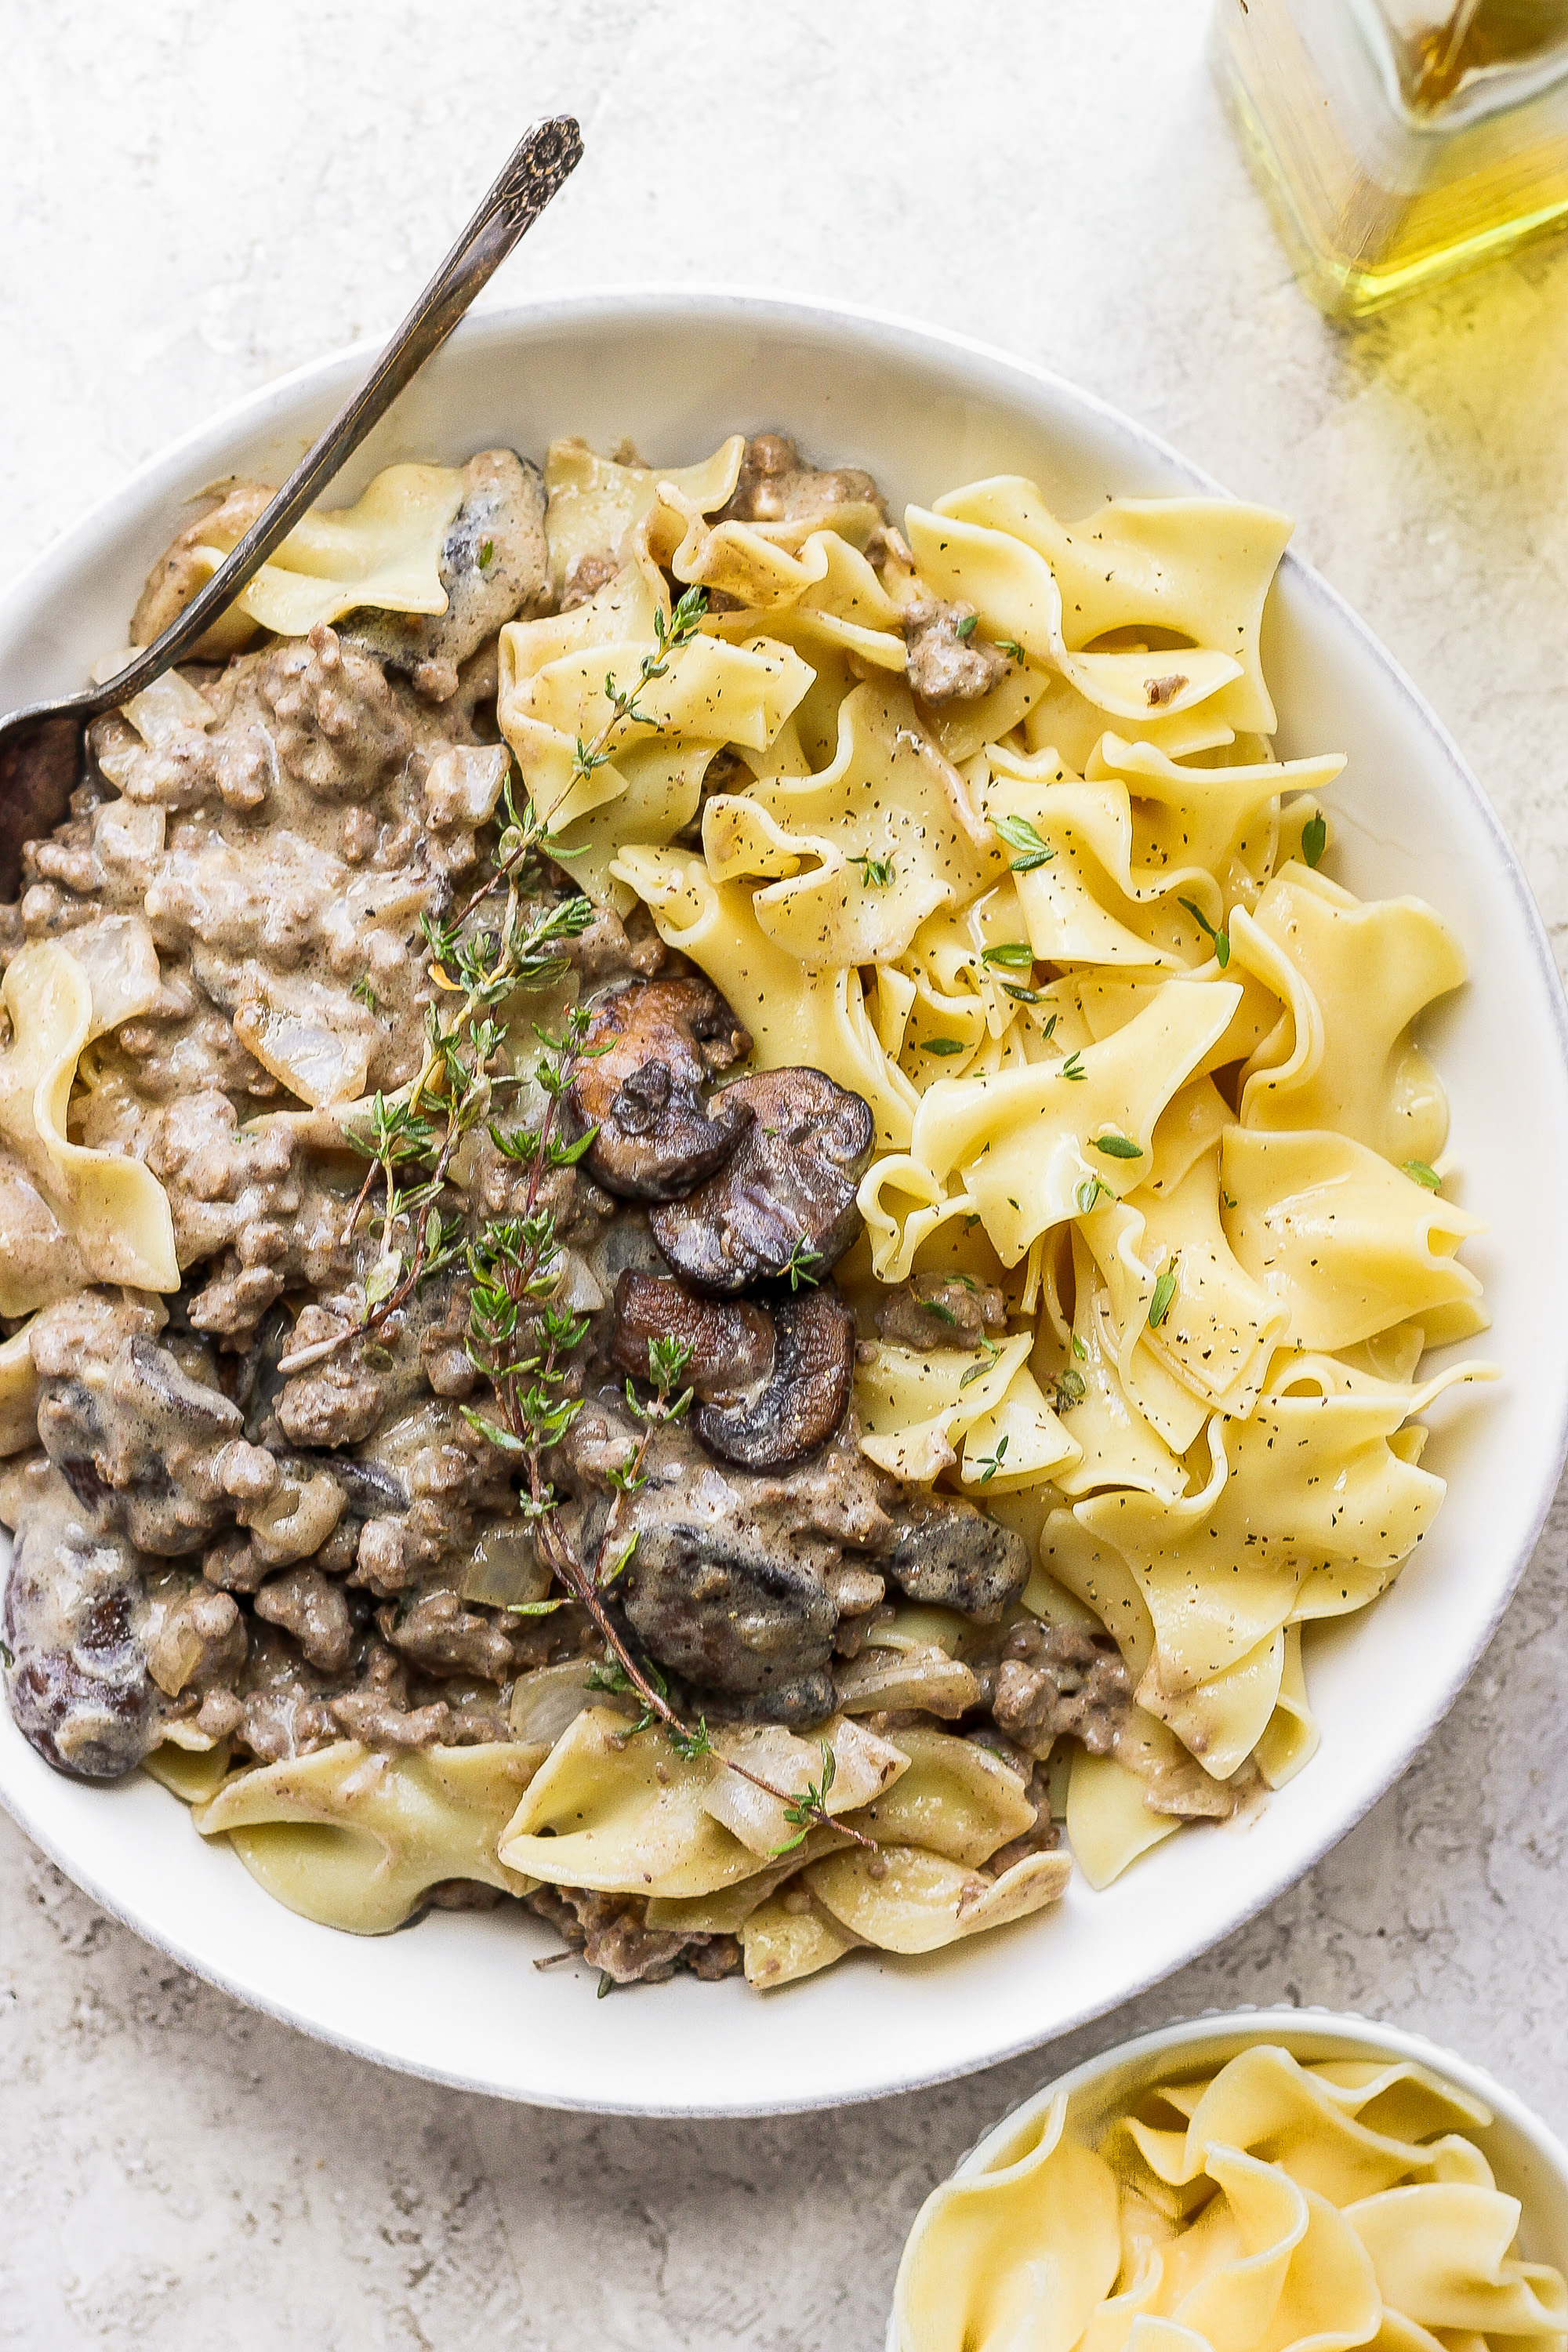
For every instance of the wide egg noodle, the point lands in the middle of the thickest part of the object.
(1220, 1326)
(1298, 2209)
(1349, 1245)
(1026, 1139)
(1193, 567)
(902, 1899)
(916, 1409)
(888, 806)
(593, 504)
(841, 606)
(383, 551)
(1019, 2255)
(633, 1816)
(1310, 1508)
(1018, 600)
(355, 1838)
(1186, 816)
(1085, 906)
(1369, 970)
(956, 1799)
(556, 679)
(788, 1937)
(108, 1213)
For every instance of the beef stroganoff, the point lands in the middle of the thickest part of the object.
(706, 1211)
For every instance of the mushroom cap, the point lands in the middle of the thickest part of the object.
(772, 1382)
(647, 1052)
(731, 1345)
(805, 1399)
(730, 1612)
(786, 1197)
(950, 1555)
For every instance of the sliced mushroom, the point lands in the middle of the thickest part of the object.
(805, 1399)
(731, 1345)
(773, 1384)
(732, 1613)
(784, 1204)
(955, 1557)
(647, 1051)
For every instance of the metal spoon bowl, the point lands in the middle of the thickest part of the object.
(42, 747)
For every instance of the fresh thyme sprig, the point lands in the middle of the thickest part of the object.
(669, 637)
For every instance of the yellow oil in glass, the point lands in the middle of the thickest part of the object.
(1399, 142)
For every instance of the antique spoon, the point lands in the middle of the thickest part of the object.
(41, 747)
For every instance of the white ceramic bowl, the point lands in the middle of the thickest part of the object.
(455, 1998)
(1529, 2161)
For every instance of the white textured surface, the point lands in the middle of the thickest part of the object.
(196, 198)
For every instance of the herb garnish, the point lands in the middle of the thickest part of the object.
(1020, 834)
(1423, 1174)
(876, 873)
(1024, 995)
(1087, 1193)
(1219, 939)
(1117, 1147)
(966, 628)
(1010, 645)
(1073, 1066)
(799, 1265)
(1071, 1388)
(991, 1462)
(811, 1804)
(1314, 838)
(485, 551)
(365, 993)
(1014, 955)
(943, 1045)
(1159, 1306)
(671, 636)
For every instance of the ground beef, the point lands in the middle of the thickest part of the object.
(1053, 1680)
(947, 664)
(612, 1933)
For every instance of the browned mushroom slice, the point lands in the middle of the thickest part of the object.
(647, 1051)
(730, 1344)
(784, 1204)
(955, 1557)
(806, 1397)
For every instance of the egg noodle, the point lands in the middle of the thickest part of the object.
(1271, 2204)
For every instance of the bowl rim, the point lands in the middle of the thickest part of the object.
(1249, 2023)
(987, 372)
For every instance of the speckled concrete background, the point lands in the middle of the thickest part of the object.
(197, 197)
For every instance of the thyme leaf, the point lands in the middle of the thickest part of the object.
(1020, 834)
(1219, 939)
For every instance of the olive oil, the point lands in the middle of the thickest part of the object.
(1400, 142)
